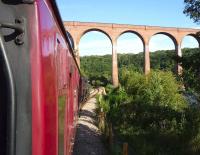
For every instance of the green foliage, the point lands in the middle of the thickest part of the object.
(117, 98)
(132, 61)
(150, 101)
(163, 60)
(103, 104)
(192, 129)
(97, 69)
(192, 9)
(191, 70)
(149, 111)
(151, 114)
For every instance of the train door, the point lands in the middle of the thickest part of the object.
(15, 79)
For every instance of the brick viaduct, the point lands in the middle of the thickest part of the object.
(113, 31)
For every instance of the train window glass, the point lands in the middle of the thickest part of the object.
(61, 123)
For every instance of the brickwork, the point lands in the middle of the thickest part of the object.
(113, 31)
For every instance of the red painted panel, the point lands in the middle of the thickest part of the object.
(54, 75)
(38, 126)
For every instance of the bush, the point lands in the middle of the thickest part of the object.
(158, 89)
(191, 71)
(152, 115)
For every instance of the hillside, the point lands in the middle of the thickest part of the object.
(99, 68)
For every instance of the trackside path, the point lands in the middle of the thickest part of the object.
(88, 140)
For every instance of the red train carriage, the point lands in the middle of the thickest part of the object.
(39, 80)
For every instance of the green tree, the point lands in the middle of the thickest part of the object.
(151, 114)
(191, 72)
(192, 9)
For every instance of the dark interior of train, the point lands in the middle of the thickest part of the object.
(3, 106)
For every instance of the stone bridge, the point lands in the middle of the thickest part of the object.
(113, 31)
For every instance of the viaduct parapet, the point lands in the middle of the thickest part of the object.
(113, 31)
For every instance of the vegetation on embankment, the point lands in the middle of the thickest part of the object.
(151, 114)
(191, 70)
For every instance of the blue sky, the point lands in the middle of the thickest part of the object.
(137, 12)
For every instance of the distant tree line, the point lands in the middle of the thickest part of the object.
(99, 68)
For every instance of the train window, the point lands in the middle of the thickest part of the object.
(61, 123)
(3, 108)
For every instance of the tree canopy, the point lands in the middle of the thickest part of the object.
(192, 9)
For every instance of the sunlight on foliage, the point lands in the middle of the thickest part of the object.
(152, 115)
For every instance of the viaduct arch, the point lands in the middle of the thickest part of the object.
(113, 31)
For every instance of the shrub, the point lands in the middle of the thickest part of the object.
(152, 115)
(191, 72)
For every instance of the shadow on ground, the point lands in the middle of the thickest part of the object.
(88, 140)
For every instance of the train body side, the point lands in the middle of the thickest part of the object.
(55, 84)
(39, 87)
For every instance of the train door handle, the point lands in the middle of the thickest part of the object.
(18, 26)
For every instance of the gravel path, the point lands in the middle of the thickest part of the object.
(88, 140)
